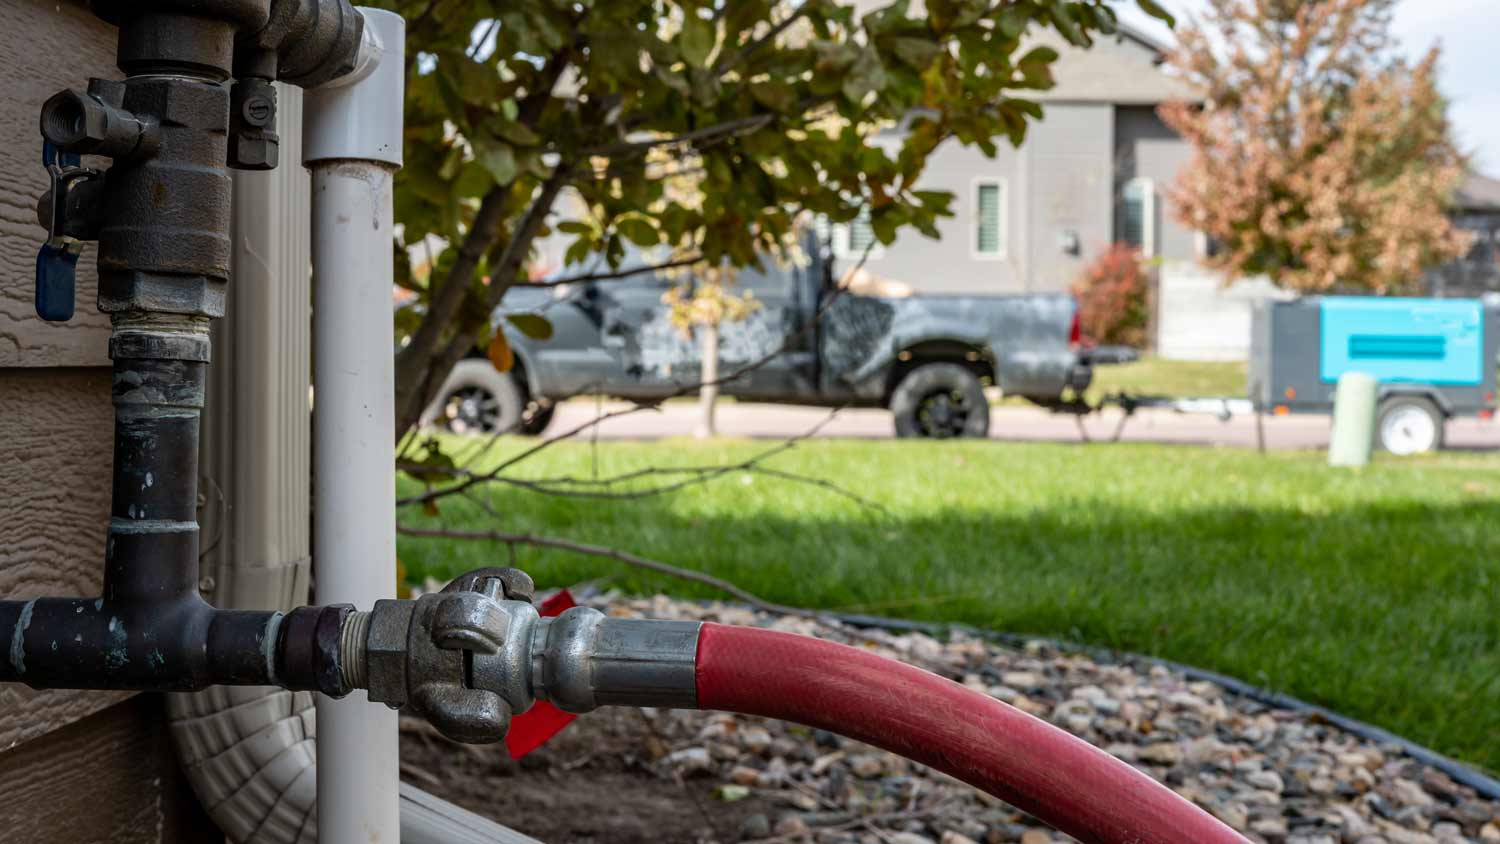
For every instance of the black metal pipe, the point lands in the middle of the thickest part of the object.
(163, 228)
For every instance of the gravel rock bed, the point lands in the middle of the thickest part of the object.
(1278, 776)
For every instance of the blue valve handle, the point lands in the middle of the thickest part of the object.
(56, 269)
(56, 262)
(51, 157)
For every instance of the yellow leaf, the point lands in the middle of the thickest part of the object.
(500, 354)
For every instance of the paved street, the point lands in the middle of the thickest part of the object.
(767, 421)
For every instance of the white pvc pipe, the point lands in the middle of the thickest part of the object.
(352, 144)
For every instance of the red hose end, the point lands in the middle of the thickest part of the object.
(1036, 767)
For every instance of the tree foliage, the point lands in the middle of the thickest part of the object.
(1320, 158)
(772, 108)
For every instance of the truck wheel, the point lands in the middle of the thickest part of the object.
(1409, 425)
(476, 399)
(940, 400)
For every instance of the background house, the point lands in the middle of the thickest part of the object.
(1097, 170)
(1477, 211)
(1093, 172)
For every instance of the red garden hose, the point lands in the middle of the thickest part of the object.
(1022, 760)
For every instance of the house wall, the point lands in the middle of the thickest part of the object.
(77, 766)
(949, 265)
(1146, 148)
(1058, 182)
(1070, 190)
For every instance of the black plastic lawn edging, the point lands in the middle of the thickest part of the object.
(1486, 786)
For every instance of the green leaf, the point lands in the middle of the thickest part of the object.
(1154, 9)
(777, 96)
(696, 40)
(916, 53)
(580, 250)
(866, 76)
(1062, 19)
(1029, 108)
(534, 326)
(575, 227)
(730, 793)
(1014, 19)
(500, 160)
(1036, 66)
(518, 134)
(639, 230)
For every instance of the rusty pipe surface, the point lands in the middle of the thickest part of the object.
(161, 214)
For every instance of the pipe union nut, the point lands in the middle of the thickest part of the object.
(386, 652)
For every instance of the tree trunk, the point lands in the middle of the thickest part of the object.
(708, 394)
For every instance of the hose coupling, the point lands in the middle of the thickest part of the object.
(470, 657)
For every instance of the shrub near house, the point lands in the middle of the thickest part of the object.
(1112, 298)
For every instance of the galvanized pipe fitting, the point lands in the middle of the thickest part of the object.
(469, 660)
(583, 659)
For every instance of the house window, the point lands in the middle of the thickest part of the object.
(850, 240)
(1138, 215)
(989, 218)
(860, 234)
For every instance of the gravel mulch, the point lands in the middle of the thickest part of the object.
(1278, 776)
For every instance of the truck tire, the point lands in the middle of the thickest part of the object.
(476, 399)
(940, 401)
(1409, 425)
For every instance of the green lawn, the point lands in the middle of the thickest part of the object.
(1153, 376)
(1374, 592)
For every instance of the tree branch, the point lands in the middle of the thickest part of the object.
(616, 274)
(657, 566)
(743, 125)
(502, 276)
(605, 488)
(728, 63)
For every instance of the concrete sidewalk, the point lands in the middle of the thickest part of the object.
(1012, 423)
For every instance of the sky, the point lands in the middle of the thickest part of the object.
(1468, 31)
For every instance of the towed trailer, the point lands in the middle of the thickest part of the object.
(1435, 360)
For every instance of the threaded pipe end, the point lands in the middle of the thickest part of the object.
(353, 668)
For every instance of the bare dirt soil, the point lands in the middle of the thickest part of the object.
(594, 782)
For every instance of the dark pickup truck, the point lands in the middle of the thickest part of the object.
(928, 358)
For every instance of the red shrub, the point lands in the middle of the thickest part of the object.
(1112, 298)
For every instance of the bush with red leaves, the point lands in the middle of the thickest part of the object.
(1112, 298)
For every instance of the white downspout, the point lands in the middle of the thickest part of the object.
(352, 145)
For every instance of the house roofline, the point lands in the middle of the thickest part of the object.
(1477, 192)
(1161, 48)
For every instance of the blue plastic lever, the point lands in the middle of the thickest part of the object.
(56, 270)
(56, 264)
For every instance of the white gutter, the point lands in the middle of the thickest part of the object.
(352, 145)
